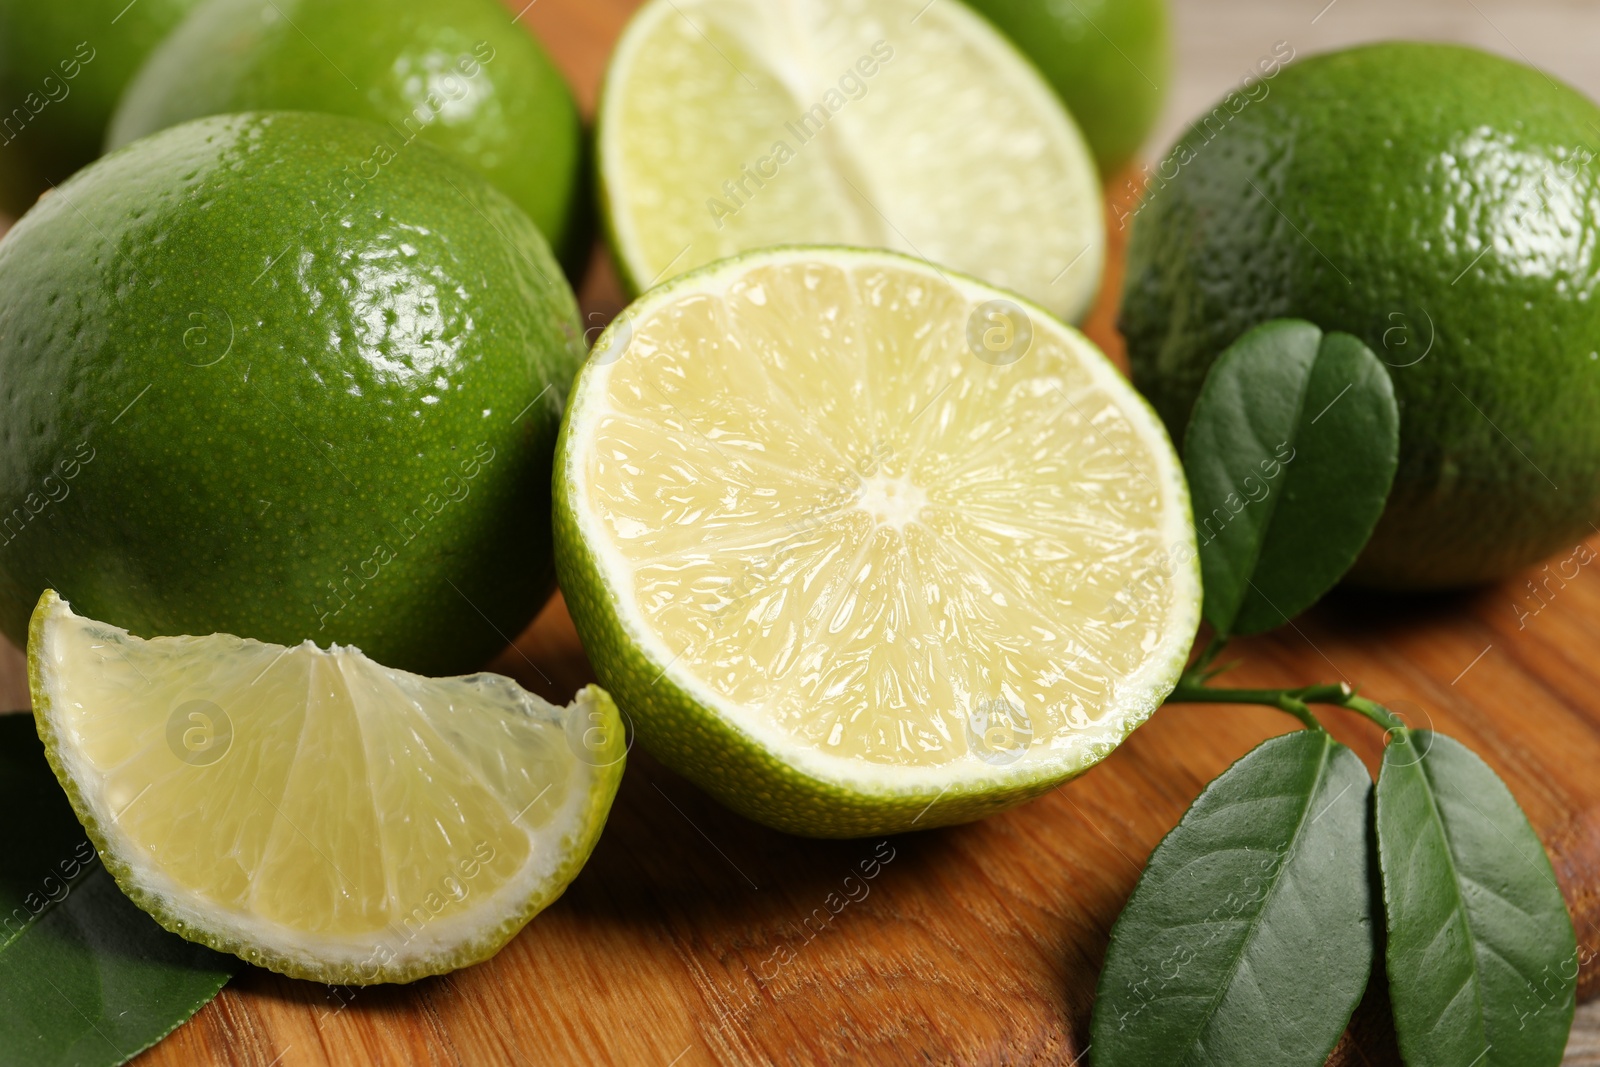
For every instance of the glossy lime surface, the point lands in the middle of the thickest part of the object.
(243, 393)
(62, 68)
(1109, 60)
(1440, 204)
(457, 74)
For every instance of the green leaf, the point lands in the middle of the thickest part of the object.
(1290, 453)
(1482, 960)
(1248, 939)
(86, 978)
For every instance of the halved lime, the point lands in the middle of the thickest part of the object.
(732, 125)
(312, 811)
(863, 545)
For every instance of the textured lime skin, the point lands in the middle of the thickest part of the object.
(1446, 203)
(698, 741)
(246, 395)
(609, 763)
(457, 74)
(62, 68)
(1107, 59)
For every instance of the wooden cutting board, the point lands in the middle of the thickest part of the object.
(694, 936)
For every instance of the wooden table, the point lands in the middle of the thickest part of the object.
(976, 944)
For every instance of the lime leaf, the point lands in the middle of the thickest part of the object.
(85, 976)
(1267, 872)
(1290, 452)
(1482, 960)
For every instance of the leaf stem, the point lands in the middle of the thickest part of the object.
(1295, 702)
(1376, 712)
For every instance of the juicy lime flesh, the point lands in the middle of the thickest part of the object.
(305, 803)
(457, 74)
(250, 397)
(1440, 204)
(839, 523)
(951, 148)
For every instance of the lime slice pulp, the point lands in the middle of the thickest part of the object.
(731, 125)
(861, 544)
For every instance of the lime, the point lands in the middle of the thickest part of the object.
(247, 394)
(1108, 60)
(311, 811)
(1440, 204)
(62, 68)
(862, 545)
(731, 125)
(456, 74)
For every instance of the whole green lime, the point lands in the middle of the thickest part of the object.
(457, 74)
(62, 68)
(1442, 205)
(245, 392)
(1107, 59)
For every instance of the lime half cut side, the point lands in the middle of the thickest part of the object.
(862, 545)
(731, 125)
(311, 811)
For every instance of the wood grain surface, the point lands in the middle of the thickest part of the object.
(694, 936)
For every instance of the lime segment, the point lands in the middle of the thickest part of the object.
(312, 811)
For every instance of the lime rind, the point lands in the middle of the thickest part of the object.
(778, 783)
(451, 942)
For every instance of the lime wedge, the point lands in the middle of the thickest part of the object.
(862, 545)
(731, 125)
(312, 811)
